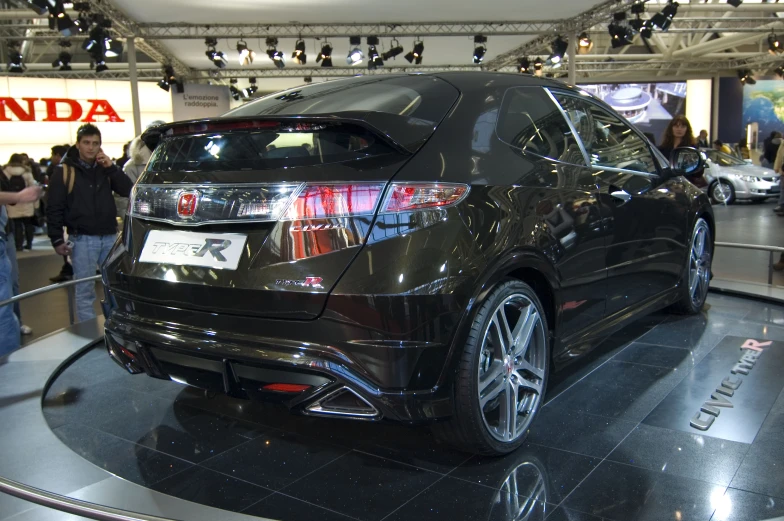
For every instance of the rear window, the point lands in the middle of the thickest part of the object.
(422, 97)
(266, 149)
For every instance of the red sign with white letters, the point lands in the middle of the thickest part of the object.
(58, 109)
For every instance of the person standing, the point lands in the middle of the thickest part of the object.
(80, 199)
(10, 338)
(19, 177)
(702, 139)
(769, 149)
(139, 155)
(677, 134)
(58, 151)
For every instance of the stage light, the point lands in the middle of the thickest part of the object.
(638, 8)
(395, 49)
(480, 49)
(559, 48)
(39, 6)
(246, 55)
(114, 48)
(584, 44)
(745, 77)
(663, 19)
(164, 84)
(235, 92)
(779, 71)
(774, 44)
(735, 3)
(63, 61)
(374, 58)
(325, 56)
(274, 54)
(250, 89)
(15, 58)
(525, 66)
(59, 20)
(538, 66)
(620, 34)
(415, 56)
(101, 67)
(355, 55)
(299, 55)
(218, 58)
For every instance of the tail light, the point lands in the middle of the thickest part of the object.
(416, 196)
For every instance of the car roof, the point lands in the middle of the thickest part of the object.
(475, 78)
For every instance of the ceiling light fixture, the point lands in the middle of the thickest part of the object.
(15, 59)
(355, 55)
(64, 58)
(525, 66)
(621, 33)
(538, 66)
(218, 58)
(235, 92)
(299, 55)
(325, 56)
(250, 89)
(774, 44)
(663, 19)
(735, 3)
(480, 48)
(559, 48)
(744, 75)
(779, 71)
(415, 56)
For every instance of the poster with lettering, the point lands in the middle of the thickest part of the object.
(200, 101)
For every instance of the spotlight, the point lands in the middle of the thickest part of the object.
(415, 56)
(274, 54)
(735, 3)
(538, 65)
(480, 49)
(113, 48)
(250, 89)
(299, 55)
(325, 56)
(374, 59)
(745, 77)
(308, 79)
(525, 66)
(15, 59)
(164, 84)
(235, 92)
(584, 44)
(63, 61)
(59, 20)
(559, 47)
(217, 58)
(355, 54)
(39, 6)
(395, 49)
(101, 66)
(774, 44)
(246, 55)
(779, 71)
(621, 34)
(663, 19)
(638, 8)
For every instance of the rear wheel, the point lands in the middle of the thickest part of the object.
(502, 373)
(696, 280)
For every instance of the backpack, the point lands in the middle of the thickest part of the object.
(16, 183)
(69, 177)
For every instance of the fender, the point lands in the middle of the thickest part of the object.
(494, 273)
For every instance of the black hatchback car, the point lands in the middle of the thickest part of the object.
(412, 248)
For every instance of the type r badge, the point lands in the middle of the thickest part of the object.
(209, 250)
(309, 282)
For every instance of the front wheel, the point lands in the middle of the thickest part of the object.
(696, 280)
(502, 373)
(722, 192)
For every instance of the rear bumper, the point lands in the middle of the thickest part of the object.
(388, 376)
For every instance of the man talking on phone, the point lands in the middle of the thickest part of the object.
(81, 200)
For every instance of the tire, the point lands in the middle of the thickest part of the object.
(714, 193)
(698, 264)
(488, 373)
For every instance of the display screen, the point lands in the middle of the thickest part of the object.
(763, 103)
(649, 106)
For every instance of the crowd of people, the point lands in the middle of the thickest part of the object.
(76, 197)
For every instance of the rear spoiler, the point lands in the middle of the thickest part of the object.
(404, 133)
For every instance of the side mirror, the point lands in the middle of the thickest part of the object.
(687, 161)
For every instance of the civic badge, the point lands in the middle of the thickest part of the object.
(187, 202)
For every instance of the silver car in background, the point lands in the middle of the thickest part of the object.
(732, 179)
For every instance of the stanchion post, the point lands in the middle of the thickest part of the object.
(770, 269)
(71, 298)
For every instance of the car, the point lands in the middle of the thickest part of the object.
(423, 248)
(732, 179)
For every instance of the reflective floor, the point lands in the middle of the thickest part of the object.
(613, 442)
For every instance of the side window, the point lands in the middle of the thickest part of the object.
(608, 141)
(530, 121)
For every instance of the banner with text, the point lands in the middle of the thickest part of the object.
(200, 101)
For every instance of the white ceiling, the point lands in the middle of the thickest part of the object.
(343, 11)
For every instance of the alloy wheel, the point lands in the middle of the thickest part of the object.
(512, 366)
(721, 192)
(699, 263)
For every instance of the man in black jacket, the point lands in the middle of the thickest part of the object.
(80, 199)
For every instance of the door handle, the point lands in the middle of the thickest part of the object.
(620, 196)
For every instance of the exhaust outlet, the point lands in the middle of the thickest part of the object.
(344, 402)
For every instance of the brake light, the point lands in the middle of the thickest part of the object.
(416, 196)
(286, 388)
(335, 200)
(222, 126)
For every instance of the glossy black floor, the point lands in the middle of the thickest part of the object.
(606, 446)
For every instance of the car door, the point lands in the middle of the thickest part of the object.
(558, 193)
(645, 250)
